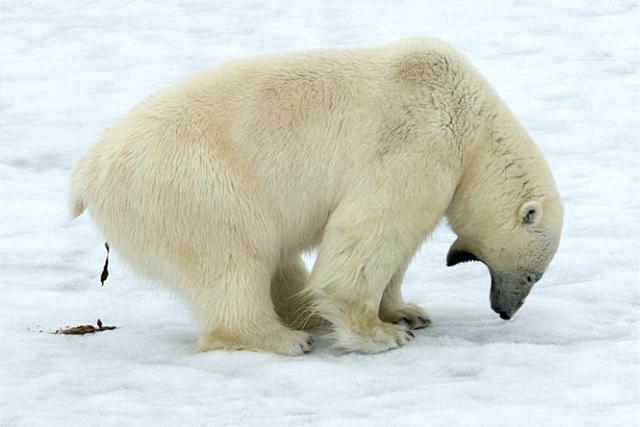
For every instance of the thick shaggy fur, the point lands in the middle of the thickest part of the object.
(216, 184)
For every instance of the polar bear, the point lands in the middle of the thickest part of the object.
(217, 183)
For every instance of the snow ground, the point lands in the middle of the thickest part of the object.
(570, 357)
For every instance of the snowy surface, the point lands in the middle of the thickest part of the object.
(570, 357)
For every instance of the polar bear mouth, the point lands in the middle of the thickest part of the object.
(500, 301)
(457, 256)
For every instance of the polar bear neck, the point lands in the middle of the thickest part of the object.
(501, 166)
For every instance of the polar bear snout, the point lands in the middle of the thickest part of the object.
(508, 294)
(505, 307)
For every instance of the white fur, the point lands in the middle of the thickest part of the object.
(216, 184)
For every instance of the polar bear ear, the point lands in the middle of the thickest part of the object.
(530, 212)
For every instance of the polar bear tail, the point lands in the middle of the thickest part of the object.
(76, 207)
(77, 203)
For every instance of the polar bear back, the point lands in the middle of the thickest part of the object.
(282, 136)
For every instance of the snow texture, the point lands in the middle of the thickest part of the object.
(569, 70)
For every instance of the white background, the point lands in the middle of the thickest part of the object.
(569, 70)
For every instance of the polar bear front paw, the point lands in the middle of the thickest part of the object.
(409, 314)
(381, 337)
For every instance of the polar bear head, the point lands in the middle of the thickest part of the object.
(507, 214)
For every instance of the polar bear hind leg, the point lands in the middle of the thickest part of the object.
(236, 312)
(291, 301)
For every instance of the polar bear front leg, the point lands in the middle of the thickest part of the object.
(393, 309)
(356, 260)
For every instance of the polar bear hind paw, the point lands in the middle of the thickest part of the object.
(282, 341)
